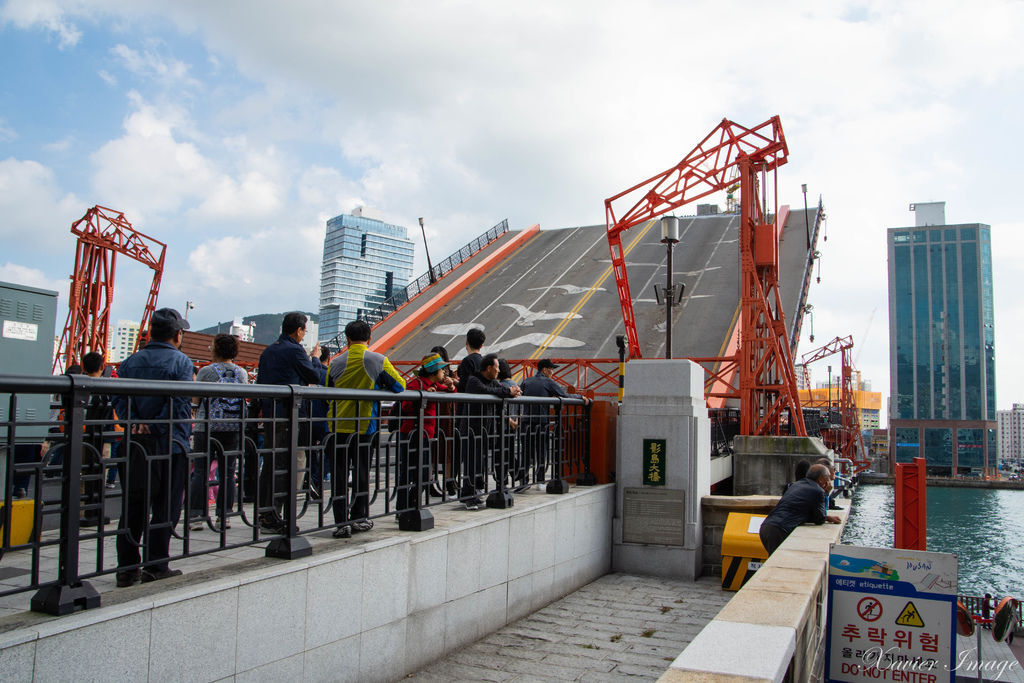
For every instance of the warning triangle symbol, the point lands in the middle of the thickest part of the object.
(909, 616)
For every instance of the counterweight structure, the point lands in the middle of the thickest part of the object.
(767, 383)
(847, 440)
(103, 234)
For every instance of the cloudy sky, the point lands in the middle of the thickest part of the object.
(233, 130)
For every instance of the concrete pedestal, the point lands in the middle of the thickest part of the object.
(657, 524)
(763, 465)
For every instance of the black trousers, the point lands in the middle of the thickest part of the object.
(772, 537)
(413, 451)
(277, 465)
(165, 477)
(352, 453)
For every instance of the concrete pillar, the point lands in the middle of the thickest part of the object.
(663, 468)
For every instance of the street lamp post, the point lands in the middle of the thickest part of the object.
(669, 237)
(430, 267)
(188, 307)
(807, 220)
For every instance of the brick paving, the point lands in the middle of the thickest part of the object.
(618, 627)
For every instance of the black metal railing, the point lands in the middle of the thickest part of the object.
(406, 294)
(299, 460)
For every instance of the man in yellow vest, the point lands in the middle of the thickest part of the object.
(356, 425)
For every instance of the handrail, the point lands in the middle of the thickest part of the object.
(406, 294)
(428, 443)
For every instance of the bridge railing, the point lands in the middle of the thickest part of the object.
(300, 460)
(406, 294)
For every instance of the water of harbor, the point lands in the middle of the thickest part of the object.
(983, 527)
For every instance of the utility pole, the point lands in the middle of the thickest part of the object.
(188, 307)
(807, 221)
(430, 267)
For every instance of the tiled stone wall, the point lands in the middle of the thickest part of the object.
(372, 613)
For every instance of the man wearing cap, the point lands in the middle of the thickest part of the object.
(804, 501)
(160, 359)
(356, 425)
(535, 423)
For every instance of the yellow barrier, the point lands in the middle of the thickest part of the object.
(742, 551)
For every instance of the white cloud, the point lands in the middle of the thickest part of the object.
(149, 64)
(34, 208)
(46, 14)
(7, 133)
(467, 113)
(32, 277)
(107, 77)
(62, 145)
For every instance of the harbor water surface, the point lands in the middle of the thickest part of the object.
(983, 527)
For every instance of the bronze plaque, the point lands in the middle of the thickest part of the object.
(653, 516)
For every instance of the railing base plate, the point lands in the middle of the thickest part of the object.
(416, 520)
(61, 600)
(558, 486)
(289, 548)
(501, 500)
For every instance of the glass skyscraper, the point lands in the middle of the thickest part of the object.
(365, 260)
(942, 344)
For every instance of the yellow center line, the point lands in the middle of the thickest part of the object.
(590, 292)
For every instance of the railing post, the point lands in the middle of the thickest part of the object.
(70, 593)
(419, 518)
(557, 483)
(290, 546)
(502, 497)
(587, 477)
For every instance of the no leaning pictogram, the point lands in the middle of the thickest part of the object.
(869, 609)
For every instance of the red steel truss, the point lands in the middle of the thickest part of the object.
(767, 383)
(103, 234)
(847, 441)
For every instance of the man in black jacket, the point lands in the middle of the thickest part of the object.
(482, 420)
(805, 501)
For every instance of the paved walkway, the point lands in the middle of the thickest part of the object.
(618, 627)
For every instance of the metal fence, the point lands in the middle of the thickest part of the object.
(297, 461)
(406, 294)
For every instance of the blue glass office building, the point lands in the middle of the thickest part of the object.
(941, 344)
(365, 259)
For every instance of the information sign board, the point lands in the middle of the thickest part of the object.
(891, 615)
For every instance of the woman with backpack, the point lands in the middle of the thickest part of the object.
(218, 433)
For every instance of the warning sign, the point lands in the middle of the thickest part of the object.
(916, 593)
(869, 609)
(910, 617)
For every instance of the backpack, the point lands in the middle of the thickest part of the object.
(225, 411)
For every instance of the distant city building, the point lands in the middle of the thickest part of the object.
(312, 335)
(941, 344)
(1010, 433)
(125, 335)
(365, 260)
(244, 331)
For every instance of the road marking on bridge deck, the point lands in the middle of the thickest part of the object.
(590, 292)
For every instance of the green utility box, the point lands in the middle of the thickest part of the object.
(27, 322)
(742, 550)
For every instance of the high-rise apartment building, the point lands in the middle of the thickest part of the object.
(123, 344)
(1010, 434)
(941, 344)
(365, 260)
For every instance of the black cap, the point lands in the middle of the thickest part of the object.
(545, 363)
(168, 320)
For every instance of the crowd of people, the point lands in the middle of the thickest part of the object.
(190, 452)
